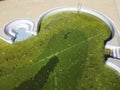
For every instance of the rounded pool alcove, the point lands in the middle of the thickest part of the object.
(19, 30)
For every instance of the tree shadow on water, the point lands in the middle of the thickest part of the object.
(38, 81)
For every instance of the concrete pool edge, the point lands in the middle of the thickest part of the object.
(101, 16)
(11, 28)
(114, 66)
(59, 9)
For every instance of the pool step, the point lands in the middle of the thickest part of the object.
(113, 63)
(115, 51)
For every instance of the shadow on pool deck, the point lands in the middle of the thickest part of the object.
(38, 81)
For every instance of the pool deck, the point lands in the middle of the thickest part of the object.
(32, 9)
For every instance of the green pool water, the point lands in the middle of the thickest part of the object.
(67, 54)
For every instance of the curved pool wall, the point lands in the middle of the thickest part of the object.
(11, 29)
(12, 26)
(114, 66)
(101, 16)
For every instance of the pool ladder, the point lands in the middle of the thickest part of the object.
(115, 51)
